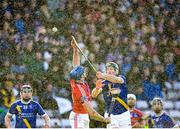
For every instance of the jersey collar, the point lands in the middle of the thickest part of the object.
(159, 114)
(22, 101)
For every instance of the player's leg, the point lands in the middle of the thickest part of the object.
(83, 121)
(121, 121)
(80, 121)
(108, 126)
(73, 120)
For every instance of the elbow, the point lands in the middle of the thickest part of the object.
(120, 80)
(93, 95)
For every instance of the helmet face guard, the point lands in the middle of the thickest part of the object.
(77, 72)
(114, 66)
(26, 89)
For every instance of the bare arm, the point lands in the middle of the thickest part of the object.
(7, 121)
(98, 89)
(47, 121)
(95, 115)
(111, 78)
(96, 92)
(76, 58)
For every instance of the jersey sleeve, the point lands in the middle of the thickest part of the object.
(123, 78)
(41, 112)
(12, 109)
(169, 122)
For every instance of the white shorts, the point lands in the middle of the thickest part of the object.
(79, 120)
(119, 121)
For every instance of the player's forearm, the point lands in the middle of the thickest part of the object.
(47, 120)
(95, 92)
(93, 113)
(112, 78)
(76, 58)
(97, 116)
(7, 121)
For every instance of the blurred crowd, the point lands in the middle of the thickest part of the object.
(141, 36)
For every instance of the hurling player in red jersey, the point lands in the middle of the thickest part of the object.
(136, 115)
(81, 96)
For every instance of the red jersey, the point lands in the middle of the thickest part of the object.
(76, 96)
(136, 116)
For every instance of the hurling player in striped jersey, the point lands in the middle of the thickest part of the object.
(137, 120)
(159, 118)
(81, 96)
(26, 111)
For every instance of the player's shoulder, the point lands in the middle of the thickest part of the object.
(34, 102)
(73, 83)
(137, 111)
(166, 115)
(17, 102)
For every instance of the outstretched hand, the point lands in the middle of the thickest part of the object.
(99, 75)
(73, 45)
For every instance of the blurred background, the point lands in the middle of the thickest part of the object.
(141, 36)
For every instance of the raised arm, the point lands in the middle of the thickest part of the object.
(111, 78)
(76, 58)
